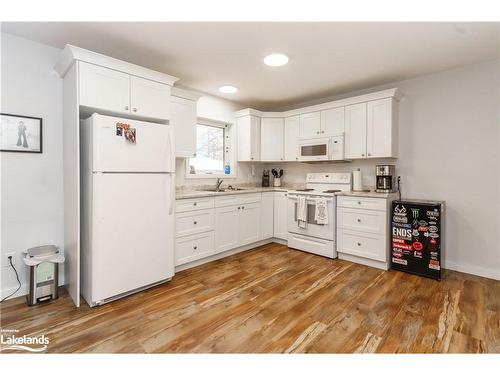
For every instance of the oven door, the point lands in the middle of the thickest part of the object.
(313, 229)
(314, 149)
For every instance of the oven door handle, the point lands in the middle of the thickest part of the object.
(294, 197)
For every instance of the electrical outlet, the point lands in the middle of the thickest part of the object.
(6, 262)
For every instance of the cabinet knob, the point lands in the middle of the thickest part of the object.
(242, 207)
(134, 109)
(195, 222)
(296, 158)
(359, 243)
(359, 220)
(281, 158)
(251, 158)
(322, 131)
(362, 154)
(195, 247)
(369, 154)
(126, 108)
(194, 204)
(317, 132)
(359, 202)
(239, 208)
(194, 154)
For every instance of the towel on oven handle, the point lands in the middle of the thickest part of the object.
(321, 211)
(302, 212)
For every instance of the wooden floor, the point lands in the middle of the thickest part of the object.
(274, 299)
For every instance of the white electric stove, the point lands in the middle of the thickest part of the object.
(316, 238)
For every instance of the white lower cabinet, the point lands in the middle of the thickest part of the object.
(194, 247)
(280, 212)
(249, 224)
(267, 215)
(362, 225)
(226, 232)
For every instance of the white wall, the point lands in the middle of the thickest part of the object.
(449, 150)
(213, 108)
(31, 184)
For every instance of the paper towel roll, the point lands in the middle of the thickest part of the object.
(357, 180)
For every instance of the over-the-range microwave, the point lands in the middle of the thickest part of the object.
(322, 149)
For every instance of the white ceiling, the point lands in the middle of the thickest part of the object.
(325, 58)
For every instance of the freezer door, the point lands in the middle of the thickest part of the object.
(132, 232)
(152, 151)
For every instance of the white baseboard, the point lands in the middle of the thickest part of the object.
(473, 270)
(21, 292)
(211, 258)
(364, 261)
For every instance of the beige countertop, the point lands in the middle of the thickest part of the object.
(186, 193)
(368, 194)
(199, 193)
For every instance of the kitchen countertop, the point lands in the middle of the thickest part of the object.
(200, 193)
(194, 193)
(368, 194)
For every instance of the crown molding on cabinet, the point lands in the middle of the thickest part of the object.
(389, 93)
(71, 53)
(186, 94)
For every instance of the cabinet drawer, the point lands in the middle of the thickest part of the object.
(378, 204)
(237, 199)
(362, 220)
(184, 205)
(249, 198)
(194, 222)
(191, 248)
(365, 245)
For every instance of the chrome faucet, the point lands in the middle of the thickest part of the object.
(218, 184)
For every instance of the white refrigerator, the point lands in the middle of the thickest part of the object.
(128, 197)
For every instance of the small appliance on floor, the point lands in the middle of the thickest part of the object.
(417, 237)
(43, 263)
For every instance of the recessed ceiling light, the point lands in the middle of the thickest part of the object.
(228, 89)
(276, 59)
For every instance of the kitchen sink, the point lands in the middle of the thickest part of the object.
(224, 189)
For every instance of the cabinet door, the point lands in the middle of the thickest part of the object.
(379, 130)
(271, 139)
(280, 215)
(267, 215)
(248, 138)
(248, 223)
(332, 121)
(183, 118)
(292, 138)
(310, 125)
(149, 98)
(226, 228)
(104, 88)
(355, 131)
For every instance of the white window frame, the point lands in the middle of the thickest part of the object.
(228, 146)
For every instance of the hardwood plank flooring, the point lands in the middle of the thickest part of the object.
(273, 299)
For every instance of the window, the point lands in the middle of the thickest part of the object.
(212, 150)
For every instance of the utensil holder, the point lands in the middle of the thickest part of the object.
(277, 182)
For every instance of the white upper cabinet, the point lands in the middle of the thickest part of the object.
(183, 118)
(292, 138)
(310, 125)
(381, 130)
(248, 138)
(332, 121)
(104, 88)
(122, 93)
(271, 139)
(149, 98)
(355, 131)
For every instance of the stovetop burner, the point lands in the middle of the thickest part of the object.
(331, 191)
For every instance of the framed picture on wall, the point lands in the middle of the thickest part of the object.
(20, 133)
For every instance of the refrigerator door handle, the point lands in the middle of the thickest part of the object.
(172, 194)
(170, 152)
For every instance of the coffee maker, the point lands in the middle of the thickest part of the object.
(386, 178)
